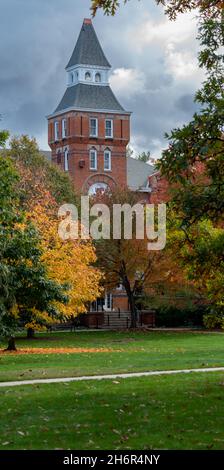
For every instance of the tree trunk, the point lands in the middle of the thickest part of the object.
(30, 333)
(131, 300)
(11, 344)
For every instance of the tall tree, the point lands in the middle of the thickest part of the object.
(125, 258)
(194, 165)
(42, 189)
(69, 262)
(39, 173)
(194, 159)
(26, 292)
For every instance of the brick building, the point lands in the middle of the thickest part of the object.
(88, 134)
(89, 130)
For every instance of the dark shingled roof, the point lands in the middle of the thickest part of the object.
(97, 97)
(88, 50)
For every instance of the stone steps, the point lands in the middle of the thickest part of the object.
(116, 321)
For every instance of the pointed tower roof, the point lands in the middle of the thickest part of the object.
(88, 50)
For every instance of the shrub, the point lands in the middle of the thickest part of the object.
(171, 316)
(213, 320)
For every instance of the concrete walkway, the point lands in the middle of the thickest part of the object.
(109, 376)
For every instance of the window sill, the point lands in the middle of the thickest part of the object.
(93, 169)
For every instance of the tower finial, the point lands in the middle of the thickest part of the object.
(87, 21)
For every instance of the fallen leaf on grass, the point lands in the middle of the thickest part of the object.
(116, 431)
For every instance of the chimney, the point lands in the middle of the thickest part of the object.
(87, 21)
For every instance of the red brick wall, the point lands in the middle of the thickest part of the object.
(160, 189)
(120, 302)
(80, 142)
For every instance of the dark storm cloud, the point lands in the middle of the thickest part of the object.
(37, 39)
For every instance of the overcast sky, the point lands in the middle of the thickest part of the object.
(154, 74)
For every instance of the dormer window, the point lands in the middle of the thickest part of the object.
(71, 77)
(88, 76)
(98, 78)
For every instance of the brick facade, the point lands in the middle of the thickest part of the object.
(159, 189)
(78, 142)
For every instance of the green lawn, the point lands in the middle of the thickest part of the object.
(172, 412)
(133, 351)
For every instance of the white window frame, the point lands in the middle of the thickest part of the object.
(108, 302)
(96, 127)
(66, 168)
(64, 128)
(56, 131)
(107, 151)
(93, 150)
(111, 129)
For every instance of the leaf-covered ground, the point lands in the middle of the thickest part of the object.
(178, 412)
(126, 352)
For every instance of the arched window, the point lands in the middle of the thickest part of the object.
(66, 160)
(93, 159)
(58, 153)
(64, 128)
(97, 188)
(98, 77)
(107, 160)
(88, 76)
(56, 131)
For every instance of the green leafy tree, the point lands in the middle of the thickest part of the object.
(194, 165)
(25, 289)
(172, 7)
(194, 160)
(3, 137)
(36, 173)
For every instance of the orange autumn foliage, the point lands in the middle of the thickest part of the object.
(69, 262)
